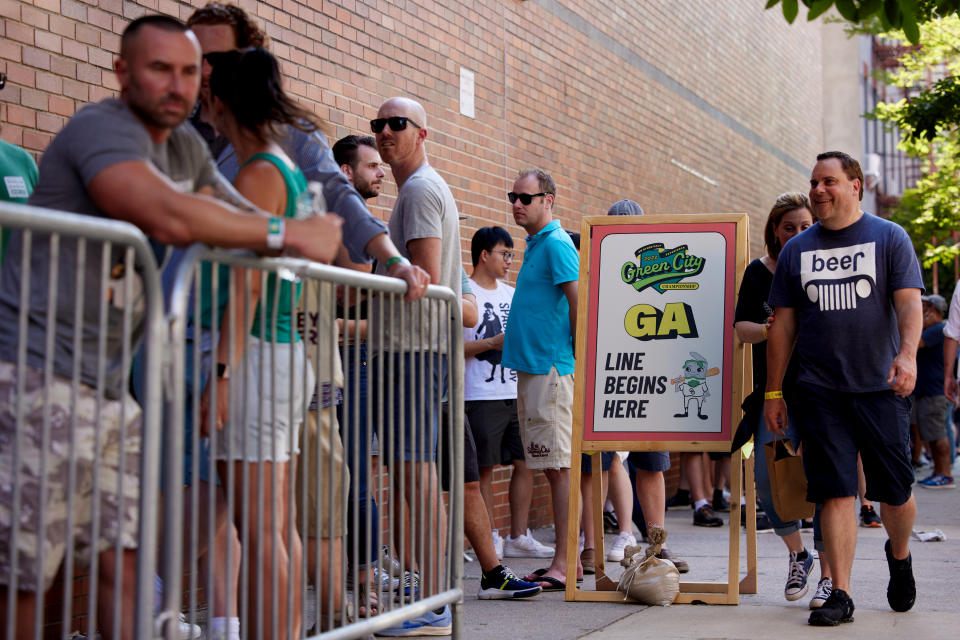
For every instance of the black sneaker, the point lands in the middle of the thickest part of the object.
(610, 524)
(719, 502)
(502, 584)
(763, 522)
(679, 500)
(902, 589)
(838, 608)
(705, 517)
(869, 517)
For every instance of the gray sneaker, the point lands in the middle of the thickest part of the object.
(824, 589)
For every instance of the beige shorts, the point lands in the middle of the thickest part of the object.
(545, 409)
(118, 515)
(326, 438)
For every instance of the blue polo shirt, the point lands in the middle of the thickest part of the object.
(538, 334)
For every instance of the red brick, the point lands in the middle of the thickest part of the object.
(21, 116)
(13, 135)
(19, 32)
(21, 75)
(50, 122)
(76, 90)
(34, 18)
(10, 9)
(50, 83)
(75, 50)
(61, 106)
(63, 26)
(88, 35)
(34, 141)
(9, 51)
(63, 67)
(33, 99)
(48, 5)
(48, 41)
(88, 73)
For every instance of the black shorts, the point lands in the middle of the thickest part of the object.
(834, 426)
(606, 461)
(496, 431)
(471, 473)
(650, 460)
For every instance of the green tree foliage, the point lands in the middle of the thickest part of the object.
(903, 15)
(930, 212)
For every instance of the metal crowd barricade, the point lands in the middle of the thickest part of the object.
(277, 511)
(69, 434)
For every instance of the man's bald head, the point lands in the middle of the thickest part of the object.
(400, 106)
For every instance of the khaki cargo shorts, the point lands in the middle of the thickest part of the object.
(324, 437)
(545, 410)
(118, 516)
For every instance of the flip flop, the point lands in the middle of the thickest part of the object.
(552, 584)
(537, 576)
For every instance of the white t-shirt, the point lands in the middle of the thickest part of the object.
(484, 377)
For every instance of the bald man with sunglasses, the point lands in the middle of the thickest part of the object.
(424, 225)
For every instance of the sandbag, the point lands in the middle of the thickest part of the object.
(647, 578)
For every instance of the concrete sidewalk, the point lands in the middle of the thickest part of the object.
(764, 615)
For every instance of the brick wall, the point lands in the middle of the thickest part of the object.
(686, 107)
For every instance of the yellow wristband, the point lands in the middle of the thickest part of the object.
(763, 331)
(772, 395)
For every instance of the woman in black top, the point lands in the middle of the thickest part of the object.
(790, 215)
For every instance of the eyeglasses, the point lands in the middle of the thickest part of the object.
(524, 198)
(397, 123)
(507, 255)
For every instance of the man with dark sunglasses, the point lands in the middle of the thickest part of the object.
(539, 346)
(424, 225)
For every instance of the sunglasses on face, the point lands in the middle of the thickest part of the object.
(397, 123)
(524, 198)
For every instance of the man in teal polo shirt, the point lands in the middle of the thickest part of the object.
(539, 346)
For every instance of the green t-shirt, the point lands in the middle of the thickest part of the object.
(296, 184)
(18, 177)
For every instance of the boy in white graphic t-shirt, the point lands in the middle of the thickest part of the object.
(490, 391)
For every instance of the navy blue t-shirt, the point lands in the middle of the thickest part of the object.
(930, 362)
(841, 284)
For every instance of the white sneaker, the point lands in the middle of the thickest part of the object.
(498, 543)
(526, 546)
(188, 631)
(824, 589)
(621, 542)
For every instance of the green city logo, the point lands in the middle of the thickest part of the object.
(662, 269)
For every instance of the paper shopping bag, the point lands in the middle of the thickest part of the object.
(788, 482)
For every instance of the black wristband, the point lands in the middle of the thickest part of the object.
(221, 370)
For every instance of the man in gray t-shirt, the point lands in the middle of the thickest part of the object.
(129, 159)
(424, 226)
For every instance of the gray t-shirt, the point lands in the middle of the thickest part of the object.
(97, 137)
(425, 208)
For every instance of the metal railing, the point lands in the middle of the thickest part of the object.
(73, 454)
(83, 291)
(399, 570)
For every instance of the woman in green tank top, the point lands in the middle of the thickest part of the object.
(261, 412)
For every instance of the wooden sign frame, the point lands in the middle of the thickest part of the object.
(736, 378)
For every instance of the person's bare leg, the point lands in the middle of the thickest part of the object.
(651, 496)
(586, 512)
(108, 598)
(486, 490)
(861, 484)
(559, 480)
(521, 495)
(693, 470)
(224, 600)
(621, 495)
(840, 538)
(423, 487)
(898, 521)
(476, 526)
(941, 456)
(263, 528)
